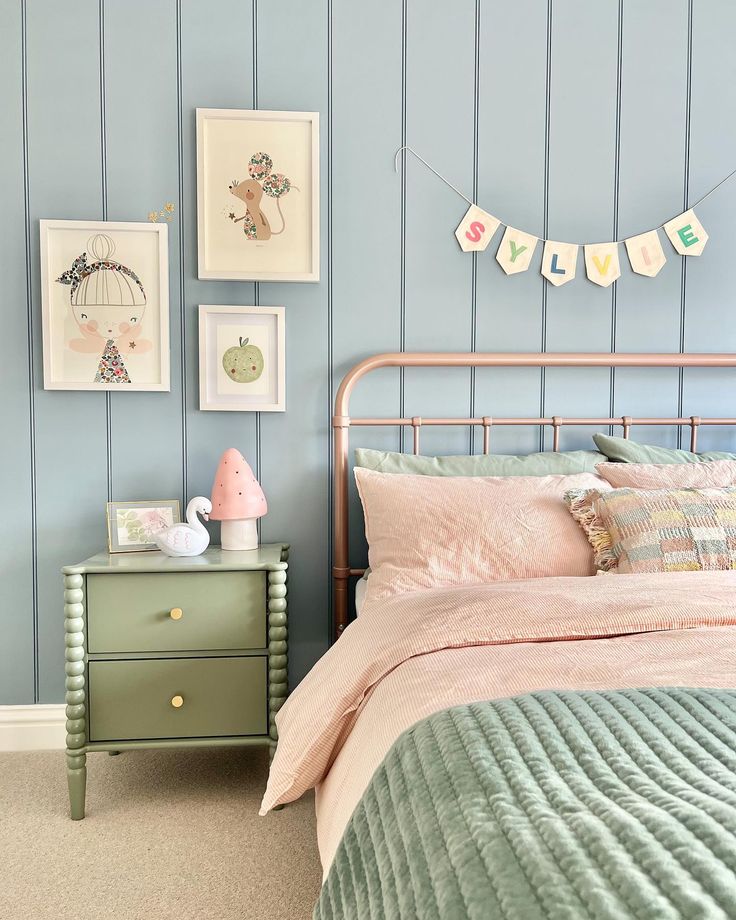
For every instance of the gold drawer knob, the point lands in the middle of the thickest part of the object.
(176, 613)
(177, 701)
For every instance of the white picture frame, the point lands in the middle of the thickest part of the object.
(95, 273)
(255, 340)
(130, 525)
(254, 150)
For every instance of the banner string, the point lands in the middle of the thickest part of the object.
(470, 201)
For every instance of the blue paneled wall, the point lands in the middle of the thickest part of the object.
(570, 119)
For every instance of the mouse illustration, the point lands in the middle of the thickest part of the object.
(256, 225)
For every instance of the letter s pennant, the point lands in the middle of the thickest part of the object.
(476, 229)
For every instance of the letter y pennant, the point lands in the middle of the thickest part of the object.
(516, 250)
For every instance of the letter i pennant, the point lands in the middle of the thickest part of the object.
(476, 229)
(559, 262)
(516, 251)
(645, 253)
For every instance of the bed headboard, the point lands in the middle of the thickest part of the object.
(342, 422)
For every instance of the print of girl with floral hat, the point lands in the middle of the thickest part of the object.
(108, 304)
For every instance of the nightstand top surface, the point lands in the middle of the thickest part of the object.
(214, 558)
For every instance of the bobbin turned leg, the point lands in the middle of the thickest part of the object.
(76, 738)
(277, 652)
(76, 777)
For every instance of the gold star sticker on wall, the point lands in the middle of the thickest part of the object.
(167, 212)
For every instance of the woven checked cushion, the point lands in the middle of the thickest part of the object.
(660, 530)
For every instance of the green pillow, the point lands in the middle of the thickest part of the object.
(546, 464)
(624, 451)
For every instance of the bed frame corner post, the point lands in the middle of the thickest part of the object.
(340, 565)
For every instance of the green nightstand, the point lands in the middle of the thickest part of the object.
(173, 652)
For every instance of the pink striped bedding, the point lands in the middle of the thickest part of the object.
(414, 654)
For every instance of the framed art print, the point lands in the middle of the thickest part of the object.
(105, 305)
(241, 359)
(131, 525)
(258, 195)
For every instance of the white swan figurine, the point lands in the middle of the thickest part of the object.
(188, 539)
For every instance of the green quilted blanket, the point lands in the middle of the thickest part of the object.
(549, 806)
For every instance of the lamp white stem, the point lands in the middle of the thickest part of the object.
(240, 534)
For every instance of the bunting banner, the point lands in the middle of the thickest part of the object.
(516, 250)
(559, 260)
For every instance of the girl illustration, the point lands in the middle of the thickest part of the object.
(108, 303)
(256, 225)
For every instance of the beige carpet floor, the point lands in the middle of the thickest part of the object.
(170, 835)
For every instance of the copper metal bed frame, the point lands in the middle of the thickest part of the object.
(342, 422)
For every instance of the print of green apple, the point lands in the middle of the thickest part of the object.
(243, 363)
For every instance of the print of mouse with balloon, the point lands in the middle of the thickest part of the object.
(256, 225)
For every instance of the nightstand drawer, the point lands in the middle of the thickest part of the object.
(188, 611)
(177, 698)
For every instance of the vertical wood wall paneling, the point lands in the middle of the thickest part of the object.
(16, 405)
(512, 134)
(293, 469)
(106, 124)
(64, 158)
(142, 161)
(710, 320)
(583, 150)
(216, 61)
(366, 256)
(440, 125)
(653, 121)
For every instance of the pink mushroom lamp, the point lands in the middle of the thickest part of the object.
(237, 501)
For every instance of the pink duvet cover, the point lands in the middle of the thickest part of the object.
(411, 655)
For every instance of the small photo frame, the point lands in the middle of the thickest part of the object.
(105, 305)
(258, 195)
(242, 359)
(130, 525)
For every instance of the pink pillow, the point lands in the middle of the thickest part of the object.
(718, 474)
(437, 531)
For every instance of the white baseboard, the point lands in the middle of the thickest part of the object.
(33, 728)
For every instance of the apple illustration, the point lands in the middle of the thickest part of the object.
(243, 363)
